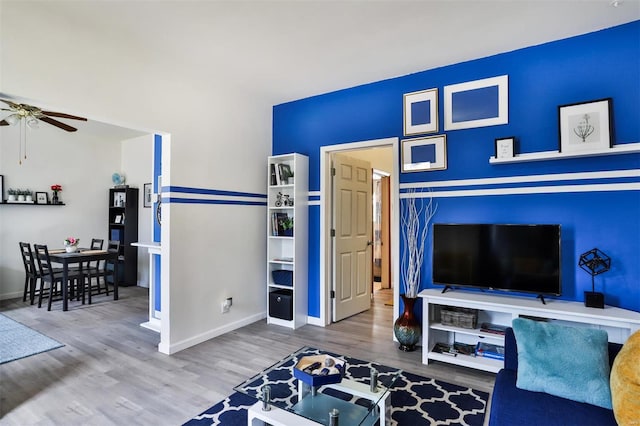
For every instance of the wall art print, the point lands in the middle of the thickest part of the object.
(585, 126)
(424, 154)
(420, 112)
(477, 103)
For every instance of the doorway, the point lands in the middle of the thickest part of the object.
(367, 149)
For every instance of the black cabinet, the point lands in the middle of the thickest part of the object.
(123, 227)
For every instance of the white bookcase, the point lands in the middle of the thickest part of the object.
(502, 309)
(285, 252)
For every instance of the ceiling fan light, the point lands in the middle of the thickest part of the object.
(32, 122)
(12, 119)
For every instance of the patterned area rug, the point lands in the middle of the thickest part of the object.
(19, 341)
(415, 400)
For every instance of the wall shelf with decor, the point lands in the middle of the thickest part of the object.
(627, 148)
(30, 203)
(500, 310)
(287, 251)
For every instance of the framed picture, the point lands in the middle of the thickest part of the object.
(505, 147)
(118, 218)
(147, 195)
(585, 126)
(424, 154)
(1, 188)
(421, 112)
(42, 198)
(477, 103)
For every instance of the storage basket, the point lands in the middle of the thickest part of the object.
(459, 317)
(282, 277)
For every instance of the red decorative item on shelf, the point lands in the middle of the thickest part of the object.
(55, 188)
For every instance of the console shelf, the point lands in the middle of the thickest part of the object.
(500, 309)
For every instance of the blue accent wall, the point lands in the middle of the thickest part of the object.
(596, 210)
(157, 171)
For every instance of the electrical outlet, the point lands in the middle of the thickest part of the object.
(226, 305)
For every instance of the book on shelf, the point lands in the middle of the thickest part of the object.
(488, 327)
(272, 173)
(276, 223)
(444, 348)
(489, 350)
(465, 348)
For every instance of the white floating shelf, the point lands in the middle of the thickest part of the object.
(627, 148)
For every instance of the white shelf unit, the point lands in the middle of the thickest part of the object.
(627, 148)
(289, 252)
(502, 309)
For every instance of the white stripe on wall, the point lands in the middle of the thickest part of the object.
(635, 186)
(526, 179)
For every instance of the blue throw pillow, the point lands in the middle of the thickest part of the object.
(569, 362)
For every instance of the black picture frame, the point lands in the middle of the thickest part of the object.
(585, 126)
(42, 198)
(1, 188)
(146, 196)
(505, 147)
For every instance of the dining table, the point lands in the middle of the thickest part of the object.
(81, 257)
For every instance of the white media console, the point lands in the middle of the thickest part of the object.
(502, 309)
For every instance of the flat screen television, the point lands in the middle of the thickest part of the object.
(518, 258)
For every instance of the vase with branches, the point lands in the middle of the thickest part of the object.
(417, 214)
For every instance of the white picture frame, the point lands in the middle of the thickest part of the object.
(420, 112)
(477, 103)
(585, 126)
(428, 153)
(505, 147)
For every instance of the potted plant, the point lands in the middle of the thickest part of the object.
(55, 188)
(21, 195)
(28, 196)
(12, 194)
(71, 244)
(415, 221)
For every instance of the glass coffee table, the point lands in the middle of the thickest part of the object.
(284, 400)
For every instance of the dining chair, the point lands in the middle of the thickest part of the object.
(93, 270)
(53, 278)
(109, 266)
(31, 273)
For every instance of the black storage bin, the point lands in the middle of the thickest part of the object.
(281, 304)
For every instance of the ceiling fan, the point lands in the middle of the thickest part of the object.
(31, 114)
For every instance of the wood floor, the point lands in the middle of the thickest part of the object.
(110, 373)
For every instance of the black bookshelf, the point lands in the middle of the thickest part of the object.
(123, 227)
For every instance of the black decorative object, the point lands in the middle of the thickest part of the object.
(595, 262)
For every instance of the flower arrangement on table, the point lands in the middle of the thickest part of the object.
(71, 244)
(55, 188)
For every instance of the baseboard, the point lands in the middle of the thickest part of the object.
(14, 295)
(315, 321)
(173, 348)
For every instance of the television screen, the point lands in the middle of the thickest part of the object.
(519, 258)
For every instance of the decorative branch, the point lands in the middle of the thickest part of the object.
(414, 236)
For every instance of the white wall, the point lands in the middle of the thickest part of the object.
(82, 164)
(220, 138)
(137, 165)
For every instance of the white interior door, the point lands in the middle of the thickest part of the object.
(352, 222)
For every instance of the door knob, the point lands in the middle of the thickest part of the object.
(369, 243)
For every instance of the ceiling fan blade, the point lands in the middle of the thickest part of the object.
(57, 123)
(11, 104)
(4, 123)
(62, 115)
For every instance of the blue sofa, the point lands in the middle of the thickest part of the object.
(512, 406)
